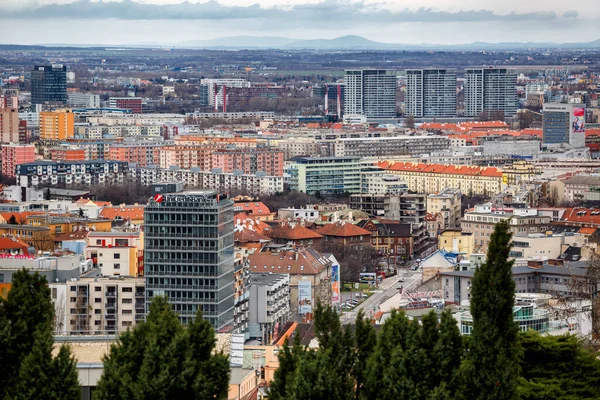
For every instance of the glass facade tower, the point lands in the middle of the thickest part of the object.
(189, 255)
(49, 84)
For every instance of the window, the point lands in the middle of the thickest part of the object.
(117, 266)
(127, 312)
(98, 288)
(98, 300)
(97, 323)
(97, 311)
(127, 290)
(127, 301)
(2, 279)
(73, 289)
(117, 256)
(73, 299)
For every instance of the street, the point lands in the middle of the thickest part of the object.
(387, 288)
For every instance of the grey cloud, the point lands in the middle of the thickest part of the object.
(299, 15)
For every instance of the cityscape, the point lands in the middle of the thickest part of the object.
(286, 212)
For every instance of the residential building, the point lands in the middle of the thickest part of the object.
(117, 253)
(447, 202)
(454, 240)
(390, 239)
(13, 155)
(255, 209)
(142, 154)
(83, 100)
(346, 234)
(95, 172)
(293, 233)
(433, 178)
(430, 93)
(324, 175)
(215, 180)
(564, 124)
(582, 187)
(309, 271)
(241, 293)
(130, 214)
(189, 255)
(128, 103)
(9, 125)
(265, 160)
(410, 209)
(57, 125)
(67, 154)
(62, 224)
(49, 84)
(390, 146)
(435, 223)
(269, 304)
(298, 146)
(211, 89)
(93, 306)
(370, 92)
(490, 90)
(186, 157)
(483, 218)
(294, 214)
(376, 181)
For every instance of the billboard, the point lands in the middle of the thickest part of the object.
(368, 277)
(578, 124)
(335, 284)
(304, 297)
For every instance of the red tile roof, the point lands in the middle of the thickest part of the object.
(252, 208)
(303, 261)
(587, 231)
(291, 231)
(249, 236)
(343, 229)
(19, 216)
(441, 169)
(243, 221)
(11, 243)
(582, 216)
(124, 213)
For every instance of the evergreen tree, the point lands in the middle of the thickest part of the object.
(27, 368)
(449, 353)
(492, 366)
(365, 340)
(558, 368)
(12, 220)
(160, 359)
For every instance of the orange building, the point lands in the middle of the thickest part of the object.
(141, 154)
(15, 154)
(57, 125)
(249, 161)
(66, 154)
(187, 157)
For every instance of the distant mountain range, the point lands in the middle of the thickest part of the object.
(350, 42)
(360, 43)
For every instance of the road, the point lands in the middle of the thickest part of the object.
(387, 288)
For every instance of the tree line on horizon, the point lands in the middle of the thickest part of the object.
(430, 360)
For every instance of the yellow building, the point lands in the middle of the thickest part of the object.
(60, 224)
(520, 171)
(456, 241)
(57, 125)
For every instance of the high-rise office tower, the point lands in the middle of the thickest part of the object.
(49, 84)
(430, 93)
(490, 90)
(188, 255)
(564, 124)
(370, 92)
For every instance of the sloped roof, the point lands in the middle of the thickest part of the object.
(582, 215)
(12, 243)
(252, 208)
(19, 216)
(123, 212)
(249, 236)
(306, 261)
(244, 221)
(291, 231)
(440, 168)
(343, 229)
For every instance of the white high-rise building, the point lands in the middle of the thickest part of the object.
(430, 93)
(370, 93)
(209, 86)
(490, 90)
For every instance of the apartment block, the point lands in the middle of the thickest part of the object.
(186, 157)
(481, 221)
(84, 100)
(490, 90)
(433, 178)
(269, 304)
(13, 155)
(128, 103)
(57, 125)
(67, 154)
(95, 172)
(117, 253)
(390, 146)
(98, 306)
(216, 180)
(326, 175)
(293, 147)
(376, 181)
(9, 125)
(447, 202)
(430, 93)
(370, 92)
(142, 154)
(249, 161)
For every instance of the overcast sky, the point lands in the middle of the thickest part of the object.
(394, 21)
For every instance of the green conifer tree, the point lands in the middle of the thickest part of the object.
(492, 366)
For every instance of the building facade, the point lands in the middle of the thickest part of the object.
(390, 146)
(189, 255)
(57, 125)
(370, 92)
(564, 124)
(9, 125)
(326, 175)
(269, 304)
(490, 90)
(96, 172)
(49, 84)
(447, 202)
(13, 155)
(430, 93)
